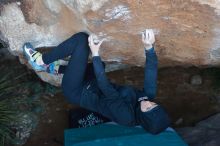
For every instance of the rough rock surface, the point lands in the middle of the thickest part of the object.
(188, 32)
(205, 133)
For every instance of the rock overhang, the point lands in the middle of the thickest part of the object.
(187, 31)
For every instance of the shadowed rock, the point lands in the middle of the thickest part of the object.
(204, 133)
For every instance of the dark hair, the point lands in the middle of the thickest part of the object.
(153, 121)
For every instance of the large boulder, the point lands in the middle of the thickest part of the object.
(188, 32)
(205, 133)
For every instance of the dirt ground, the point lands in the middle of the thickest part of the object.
(186, 104)
(53, 121)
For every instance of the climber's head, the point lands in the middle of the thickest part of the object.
(152, 117)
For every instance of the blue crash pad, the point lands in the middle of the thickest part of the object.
(115, 135)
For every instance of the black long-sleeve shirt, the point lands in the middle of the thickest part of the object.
(118, 103)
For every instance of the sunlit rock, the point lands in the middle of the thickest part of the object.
(187, 32)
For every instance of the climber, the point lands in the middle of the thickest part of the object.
(87, 84)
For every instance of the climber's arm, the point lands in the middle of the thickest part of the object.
(150, 77)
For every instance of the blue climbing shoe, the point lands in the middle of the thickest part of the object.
(31, 55)
(53, 68)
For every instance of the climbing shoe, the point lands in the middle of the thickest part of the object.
(53, 68)
(32, 56)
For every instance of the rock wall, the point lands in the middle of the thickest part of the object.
(187, 31)
(205, 133)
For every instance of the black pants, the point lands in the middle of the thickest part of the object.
(77, 71)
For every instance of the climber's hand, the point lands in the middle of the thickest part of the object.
(148, 38)
(94, 44)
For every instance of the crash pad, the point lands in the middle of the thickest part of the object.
(111, 134)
